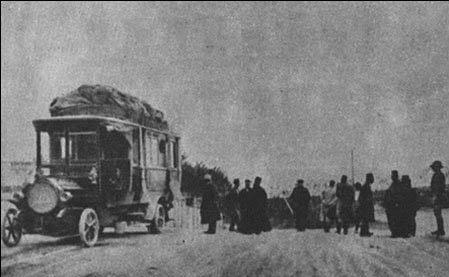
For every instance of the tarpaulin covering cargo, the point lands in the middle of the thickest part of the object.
(107, 101)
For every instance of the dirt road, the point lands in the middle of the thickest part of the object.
(191, 253)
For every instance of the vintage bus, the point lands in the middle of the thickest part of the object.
(91, 172)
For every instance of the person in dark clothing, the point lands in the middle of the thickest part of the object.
(232, 203)
(209, 206)
(259, 208)
(300, 199)
(245, 207)
(390, 204)
(345, 195)
(357, 188)
(411, 206)
(166, 201)
(396, 207)
(437, 187)
(366, 204)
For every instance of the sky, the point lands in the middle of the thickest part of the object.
(279, 90)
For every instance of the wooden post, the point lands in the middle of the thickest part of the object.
(352, 165)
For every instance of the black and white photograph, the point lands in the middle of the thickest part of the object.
(224, 139)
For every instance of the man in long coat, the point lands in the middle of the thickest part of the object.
(209, 205)
(259, 209)
(245, 200)
(345, 195)
(394, 203)
(300, 199)
(437, 187)
(412, 206)
(366, 205)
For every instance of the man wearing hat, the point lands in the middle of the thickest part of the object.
(259, 216)
(345, 202)
(300, 199)
(437, 187)
(209, 205)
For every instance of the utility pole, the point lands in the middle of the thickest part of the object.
(352, 165)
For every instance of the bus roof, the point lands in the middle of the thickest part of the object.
(73, 118)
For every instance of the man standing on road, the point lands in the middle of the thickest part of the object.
(412, 206)
(366, 205)
(345, 195)
(300, 199)
(232, 203)
(437, 187)
(245, 206)
(259, 209)
(209, 205)
(394, 203)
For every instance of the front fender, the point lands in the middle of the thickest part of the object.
(14, 201)
(18, 200)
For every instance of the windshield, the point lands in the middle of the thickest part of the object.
(81, 147)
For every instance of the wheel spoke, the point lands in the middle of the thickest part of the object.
(90, 220)
(90, 234)
(8, 236)
(10, 218)
(14, 235)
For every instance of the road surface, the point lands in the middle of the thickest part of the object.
(191, 253)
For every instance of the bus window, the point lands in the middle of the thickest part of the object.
(162, 153)
(169, 153)
(82, 146)
(148, 138)
(136, 147)
(56, 141)
(154, 151)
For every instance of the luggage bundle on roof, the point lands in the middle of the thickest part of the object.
(107, 101)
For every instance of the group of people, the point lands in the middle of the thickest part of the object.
(247, 208)
(341, 204)
(401, 203)
(344, 203)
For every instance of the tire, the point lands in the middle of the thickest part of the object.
(11, 228)
(89, 227)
